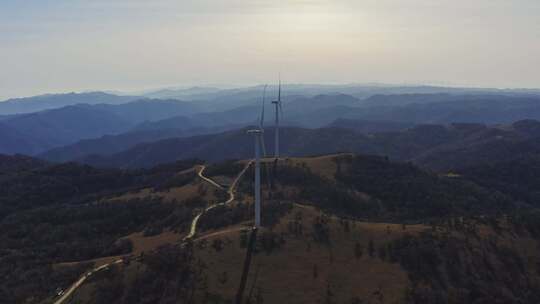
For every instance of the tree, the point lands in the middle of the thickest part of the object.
(329, 295)
(201, 189)
(243, 238)
(321, 230)
(371, 248)
(259, 297)
(358, 250)
(356, 300)
(223, 278)
(382, 252)
(217, 244)
(346, 226)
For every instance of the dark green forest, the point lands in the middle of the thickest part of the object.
(54, 213)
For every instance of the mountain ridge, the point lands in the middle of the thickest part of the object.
(52, 101)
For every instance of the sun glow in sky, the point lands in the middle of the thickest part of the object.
(65, 45)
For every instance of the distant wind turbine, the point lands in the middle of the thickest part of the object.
(279, 112)
(261, 121)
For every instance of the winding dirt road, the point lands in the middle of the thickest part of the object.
(191, 235)
(81, 280)
(230, 191)
(206, 179)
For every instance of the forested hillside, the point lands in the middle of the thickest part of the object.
(442, 148)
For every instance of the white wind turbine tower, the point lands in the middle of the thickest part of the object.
(259, 143)
(278, 111)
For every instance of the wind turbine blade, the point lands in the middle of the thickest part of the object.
(279, 89)
(261, 122)
(263, 145)
(280, 102)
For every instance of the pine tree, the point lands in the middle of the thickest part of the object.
(358, 250)
(371, 248)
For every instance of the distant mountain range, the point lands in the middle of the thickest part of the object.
(368, 126)
(54, 101)
(450, 109)
(360, 91)
(37, 132)
(17, 163)
(83, 127)
(182, 93)
(438, 147)
(235, 144)
(111, 144)
(485, 146)
(322, 110)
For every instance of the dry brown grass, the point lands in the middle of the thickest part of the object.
(324, 166)
(141, 194)
(223, 180)
(96, 262)
(140, 244)
(286, 275)
(176, 194)
(145, 244)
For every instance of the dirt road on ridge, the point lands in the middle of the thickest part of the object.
(192, 231)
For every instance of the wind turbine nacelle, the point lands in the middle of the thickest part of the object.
(255, 131)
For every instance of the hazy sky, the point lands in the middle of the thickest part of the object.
(65, 45)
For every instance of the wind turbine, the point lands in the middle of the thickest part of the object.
(278, 111)
(261, 121)
(258, 134)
